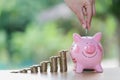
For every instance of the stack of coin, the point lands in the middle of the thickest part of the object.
(34, 69)
(53, 64)
(43, 66)
(23, 71)
(63, 61)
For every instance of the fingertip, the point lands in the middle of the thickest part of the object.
(88, 25)
(88, 28)
(84, 26)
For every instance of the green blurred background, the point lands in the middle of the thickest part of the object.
(33, 30)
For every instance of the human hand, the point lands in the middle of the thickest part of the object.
(84, 9)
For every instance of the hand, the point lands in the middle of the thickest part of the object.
(84, 9)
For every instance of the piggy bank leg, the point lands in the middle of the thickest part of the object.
(79, 68)
(98, 68)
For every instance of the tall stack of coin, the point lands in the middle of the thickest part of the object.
(63, 61)
(53, 64)
(43, 66)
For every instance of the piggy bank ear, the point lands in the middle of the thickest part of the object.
(97, 36)
(76, 37)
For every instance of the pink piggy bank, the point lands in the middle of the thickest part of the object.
(86, 52)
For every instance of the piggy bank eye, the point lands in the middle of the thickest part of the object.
(75, 49)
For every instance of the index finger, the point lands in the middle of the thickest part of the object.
(89, 15)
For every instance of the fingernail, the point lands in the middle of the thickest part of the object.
(84, 26)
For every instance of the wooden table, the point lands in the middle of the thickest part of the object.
(108, 74)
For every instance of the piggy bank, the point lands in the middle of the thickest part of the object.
(86, 52)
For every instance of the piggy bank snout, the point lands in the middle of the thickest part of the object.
(90, 49)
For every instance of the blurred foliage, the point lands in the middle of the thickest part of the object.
(24, 42)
